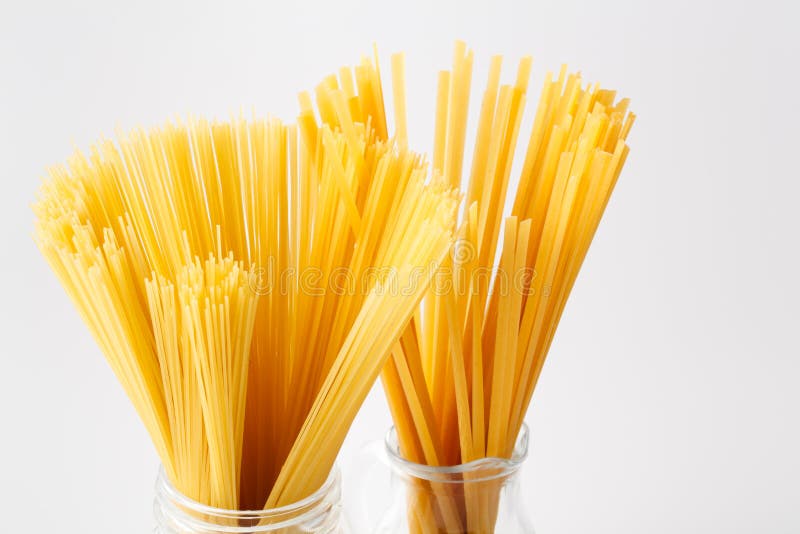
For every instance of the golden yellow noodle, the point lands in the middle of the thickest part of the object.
(246, 280)
(460, 380)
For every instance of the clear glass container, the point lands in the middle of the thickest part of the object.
(319, 513)
(480, 497)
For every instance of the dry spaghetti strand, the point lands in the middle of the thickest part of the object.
(478, 349)
(246, 280)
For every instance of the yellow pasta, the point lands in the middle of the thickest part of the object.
(463, 373)
(246, 280)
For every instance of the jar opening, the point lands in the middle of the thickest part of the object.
(480, 470)
(176, 508)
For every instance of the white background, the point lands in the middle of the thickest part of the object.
(670, 399)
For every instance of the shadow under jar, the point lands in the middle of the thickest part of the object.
(319, 513)
(479, 497)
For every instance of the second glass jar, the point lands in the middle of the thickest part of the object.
(480, 497)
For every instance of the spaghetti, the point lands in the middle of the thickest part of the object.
(462, 376)
(205, 259)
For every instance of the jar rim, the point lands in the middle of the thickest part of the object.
(296, 512)
(480, 470)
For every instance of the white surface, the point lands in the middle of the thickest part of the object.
(670, 399)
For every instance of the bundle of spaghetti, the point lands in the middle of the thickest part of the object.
(461, 378)
(238, 278)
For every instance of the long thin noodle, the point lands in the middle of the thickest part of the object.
(238, 278)
(478, 347)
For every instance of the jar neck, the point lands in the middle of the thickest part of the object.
(484, 471)
(479, 496)
(318, 513)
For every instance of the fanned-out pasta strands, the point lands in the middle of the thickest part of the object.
(481, 350)
(207, 259)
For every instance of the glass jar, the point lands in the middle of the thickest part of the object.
(319, 513)
(477, 497)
